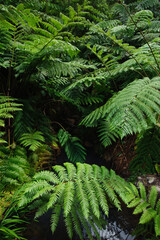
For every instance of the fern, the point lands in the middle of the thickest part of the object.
(131, 110)
(23, 123)
(72, 146)
(149, 207)
(80, 192)
(140, 18)
(11, 225)
(147, 151)
(32, 140)
(8, 106)
(147, 4)
(14, 170)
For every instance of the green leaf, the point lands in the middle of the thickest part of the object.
(141, 207)
(157, 225)
(134, 202)
(153, 196)
(147, 216)
(142, 191)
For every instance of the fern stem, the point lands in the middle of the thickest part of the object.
(59, 125)
(155, 69)
(138, 73)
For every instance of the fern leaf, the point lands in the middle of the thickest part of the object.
(80, 170)
(157, 225)
(85, 226)
(142, 191)
(94, 229)
(81, 194)
(105, 172)
(158, 206)
(134, 189)
(134, 203)
(88, 171)
(42, 192)
(92, 198)
(147, 150)
(55, 217)
(41, 211)
(101, 197)
(147, 215)
(32, 140)
(48, 176)
(54, 197)
(73, 148)
(111, 195)
(107, 133)
(63, 137)
(133, 111)
(61, 171)
(141, 207)
(76, 223)
(69, 226)
(96, 171)
(71, 170)
(68, 197)
(153, 196)
(75, 151)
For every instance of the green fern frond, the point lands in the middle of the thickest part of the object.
(69, 225)
(76, 223)
(73, 148)
(107, 133)
(153, 196)
(147, 151)
(140, 18)
(147, 216)
(157, 225)
(131, 110)
(14, 170)
(32, 140)
(142, 191)
(79, 193)
(148, 207)
(147, 4)
(8, 106)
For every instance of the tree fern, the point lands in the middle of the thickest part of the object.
(131, 110)
(80, 193)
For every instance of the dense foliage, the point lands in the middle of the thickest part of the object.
(70, 71)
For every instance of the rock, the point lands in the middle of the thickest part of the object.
(149, 181)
